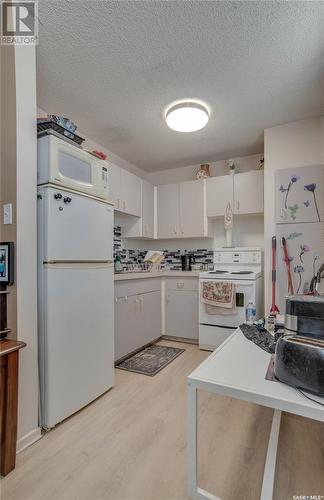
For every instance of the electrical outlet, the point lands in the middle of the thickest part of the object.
(7, 213)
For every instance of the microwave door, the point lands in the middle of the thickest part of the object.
(74, 227)
(73, 167)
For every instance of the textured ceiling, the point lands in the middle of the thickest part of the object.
(113, 66)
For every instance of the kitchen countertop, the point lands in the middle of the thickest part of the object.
(155, 274)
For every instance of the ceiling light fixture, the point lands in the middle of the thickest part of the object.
(187, 116)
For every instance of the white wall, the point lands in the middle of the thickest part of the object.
(25, 67)
(297, 144)
(243, 164)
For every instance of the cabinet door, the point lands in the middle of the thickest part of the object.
(219, 193)
(147, 210)
(168, 218)
(178, 323)
(114, 185)
(131, 190)
(137, 321)
(127, 325)
(192, 209)
(248, 192)
(150, 306)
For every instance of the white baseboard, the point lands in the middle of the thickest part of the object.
(29, 439)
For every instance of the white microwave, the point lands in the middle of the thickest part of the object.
(68, 166)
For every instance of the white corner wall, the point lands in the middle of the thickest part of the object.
(297, 144)
(26, 279)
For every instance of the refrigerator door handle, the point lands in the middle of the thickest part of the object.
(78, 263)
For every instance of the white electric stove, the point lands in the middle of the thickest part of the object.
(243, 268)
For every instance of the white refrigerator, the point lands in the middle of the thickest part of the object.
(75, 301)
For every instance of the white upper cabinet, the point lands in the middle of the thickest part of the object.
(143, 227)
(248, 192)
(147, 210)
(125, 191)
(168, 211)
(193, 219)
(114, 184)
(245, 190)
(181, 210)
(131, 193)
(219, 194)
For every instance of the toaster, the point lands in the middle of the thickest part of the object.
(299, 362)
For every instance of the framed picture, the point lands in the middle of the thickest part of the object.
(6, 262)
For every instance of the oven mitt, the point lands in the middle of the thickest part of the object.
(259, 336)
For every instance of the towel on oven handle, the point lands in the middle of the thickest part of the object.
(218, 294)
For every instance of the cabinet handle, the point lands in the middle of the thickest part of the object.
(124, 204)
(117, 202)
(136, 304)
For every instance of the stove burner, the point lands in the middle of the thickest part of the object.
(242, 272)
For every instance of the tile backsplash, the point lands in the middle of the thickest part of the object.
(172, 258)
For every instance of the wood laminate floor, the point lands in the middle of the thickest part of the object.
(130, 444)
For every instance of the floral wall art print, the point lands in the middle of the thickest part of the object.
(300, 195)
(306, 253)
(299, 198)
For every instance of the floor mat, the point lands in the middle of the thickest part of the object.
(150, 360)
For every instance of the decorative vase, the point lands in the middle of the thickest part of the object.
(231, 166)
(203, 171)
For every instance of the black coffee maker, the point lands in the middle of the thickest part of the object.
(186, 261)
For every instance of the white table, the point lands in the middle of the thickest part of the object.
(237, 369)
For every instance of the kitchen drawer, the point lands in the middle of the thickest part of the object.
(180, 283)
(137, 286)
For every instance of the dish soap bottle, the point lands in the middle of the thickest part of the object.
(118, 264)
(250, 313)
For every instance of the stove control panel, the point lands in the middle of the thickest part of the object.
(237, 256)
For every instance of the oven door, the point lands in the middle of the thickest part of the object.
(244, 292)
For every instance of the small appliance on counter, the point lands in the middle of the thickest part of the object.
(186, 261)
(299, 359)
(305, 316)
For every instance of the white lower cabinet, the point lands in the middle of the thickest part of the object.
(181, 308)
(138, 311)
(137, 319)
(181, 314)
